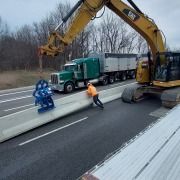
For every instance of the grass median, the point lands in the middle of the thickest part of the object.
(17, 79)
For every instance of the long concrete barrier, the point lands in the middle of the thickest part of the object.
(23, 121)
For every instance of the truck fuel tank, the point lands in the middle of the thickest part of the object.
(94, 81)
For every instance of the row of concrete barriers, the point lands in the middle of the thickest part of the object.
(23, 121)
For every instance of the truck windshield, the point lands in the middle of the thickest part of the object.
(69, 67)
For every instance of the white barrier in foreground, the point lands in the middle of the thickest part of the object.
(153, 154)
(23, 121)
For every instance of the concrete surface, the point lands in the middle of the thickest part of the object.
(23, 121)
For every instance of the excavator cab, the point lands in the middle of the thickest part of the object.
(167, 67)
(162, 78)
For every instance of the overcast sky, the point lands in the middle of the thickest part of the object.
(166, 14)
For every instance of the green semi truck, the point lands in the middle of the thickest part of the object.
(100, 68)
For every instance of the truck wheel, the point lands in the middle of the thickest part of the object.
(69, 87)
(111, 79)
(105, 80)
(123, 76)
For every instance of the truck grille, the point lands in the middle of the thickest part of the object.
(54, 78)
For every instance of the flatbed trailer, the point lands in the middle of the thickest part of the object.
(153, 154)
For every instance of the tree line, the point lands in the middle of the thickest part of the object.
(18, 49)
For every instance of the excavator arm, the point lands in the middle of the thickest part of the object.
(57, 43)
(87, 9)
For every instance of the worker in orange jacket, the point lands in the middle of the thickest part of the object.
(93, 92)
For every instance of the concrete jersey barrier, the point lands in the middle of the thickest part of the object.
(23, 121)
(152, 154)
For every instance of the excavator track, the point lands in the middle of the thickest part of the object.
(171, 97)
(133, 93)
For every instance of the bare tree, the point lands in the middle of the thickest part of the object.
(141, 45)
(26, 49)
(112, 35)
(4, 36)
(18, 50)
(83, 42)
(43, 29)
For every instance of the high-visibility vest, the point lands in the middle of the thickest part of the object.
(92, 90)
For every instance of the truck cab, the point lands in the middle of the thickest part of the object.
(75, 74)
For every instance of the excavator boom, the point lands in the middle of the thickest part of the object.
(87, 9)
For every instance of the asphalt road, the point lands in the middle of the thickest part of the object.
(15, 100)
(68, 147)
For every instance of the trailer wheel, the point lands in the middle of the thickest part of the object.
(116, 76)
(69, 87)
(105, 80)
(123, 76)
(111, 79)
(133, 75)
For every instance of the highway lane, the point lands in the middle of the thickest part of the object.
(15, 100)
(68, 147)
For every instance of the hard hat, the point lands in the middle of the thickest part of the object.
(88, 84)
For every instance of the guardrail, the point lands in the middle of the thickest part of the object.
(23, 121)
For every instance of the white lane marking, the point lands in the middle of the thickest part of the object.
(43, 135)
(117, 84)
(19, 107)
(15, 93)
(13, 99)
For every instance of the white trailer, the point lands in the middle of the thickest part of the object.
(100, 68)
(154, 154)
(117, 65)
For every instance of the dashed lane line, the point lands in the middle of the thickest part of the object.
(43, 135)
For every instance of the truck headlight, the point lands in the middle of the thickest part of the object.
(61, 82)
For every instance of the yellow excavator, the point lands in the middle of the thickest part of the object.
(160, 74)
